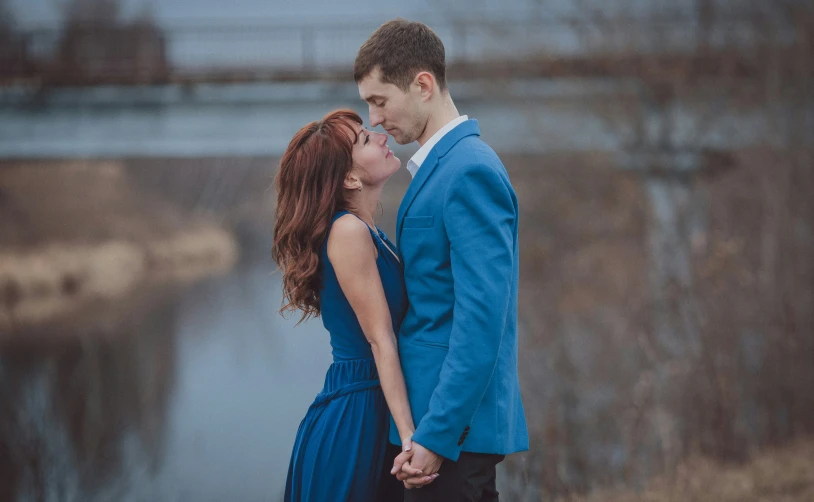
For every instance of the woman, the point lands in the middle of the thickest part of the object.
(336, 264)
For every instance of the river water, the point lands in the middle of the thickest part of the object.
(194, 396)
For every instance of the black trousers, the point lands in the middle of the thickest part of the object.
(470, 479)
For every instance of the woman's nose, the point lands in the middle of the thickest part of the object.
(382, 138)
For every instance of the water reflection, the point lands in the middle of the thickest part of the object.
(196, 397)
(84, 411)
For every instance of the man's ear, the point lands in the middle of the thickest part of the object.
(425, 82)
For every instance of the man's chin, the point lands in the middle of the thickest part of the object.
(403, 140)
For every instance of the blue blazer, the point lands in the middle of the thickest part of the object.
(457, 237)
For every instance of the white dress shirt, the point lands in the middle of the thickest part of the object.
(414, 164)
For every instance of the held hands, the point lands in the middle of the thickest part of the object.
(416, 466)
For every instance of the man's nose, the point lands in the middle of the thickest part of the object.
(375, 119)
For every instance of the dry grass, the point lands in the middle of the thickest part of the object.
(76, 232)
(77, 202)
(779, 475)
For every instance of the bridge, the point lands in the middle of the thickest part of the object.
(141, 53)
(211, 90)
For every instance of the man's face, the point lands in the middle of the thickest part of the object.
(400, 113)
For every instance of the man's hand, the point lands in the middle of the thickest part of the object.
(418, 467)
(402, 469)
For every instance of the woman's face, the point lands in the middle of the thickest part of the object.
(373, 162)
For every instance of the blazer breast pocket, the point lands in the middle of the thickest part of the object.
(417, 222)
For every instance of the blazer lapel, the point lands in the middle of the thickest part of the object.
(415, 186)
(467, 128)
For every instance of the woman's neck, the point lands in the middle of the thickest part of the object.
(364, 203)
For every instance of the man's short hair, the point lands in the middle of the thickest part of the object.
(400, 49)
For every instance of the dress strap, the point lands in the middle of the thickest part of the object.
(340, 214)
(389, 245)
(343, 213)
(377, 235)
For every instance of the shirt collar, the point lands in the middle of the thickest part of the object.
(420, 156)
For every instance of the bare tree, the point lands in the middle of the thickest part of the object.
(98, 46)
(700, 88)
(14, 52)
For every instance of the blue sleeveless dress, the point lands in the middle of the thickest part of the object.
(341, 445)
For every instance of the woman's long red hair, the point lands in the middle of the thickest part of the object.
(309, 192)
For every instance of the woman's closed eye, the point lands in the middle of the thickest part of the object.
(367, 139)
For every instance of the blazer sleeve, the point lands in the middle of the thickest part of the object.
(480, 217)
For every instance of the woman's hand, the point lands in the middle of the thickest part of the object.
(407, 443)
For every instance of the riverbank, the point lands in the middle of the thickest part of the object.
(75, 232)
(784, 474)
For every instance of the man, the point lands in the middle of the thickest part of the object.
(457, 236)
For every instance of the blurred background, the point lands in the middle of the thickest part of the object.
(663, 156)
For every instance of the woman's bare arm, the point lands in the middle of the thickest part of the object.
(353, 256)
